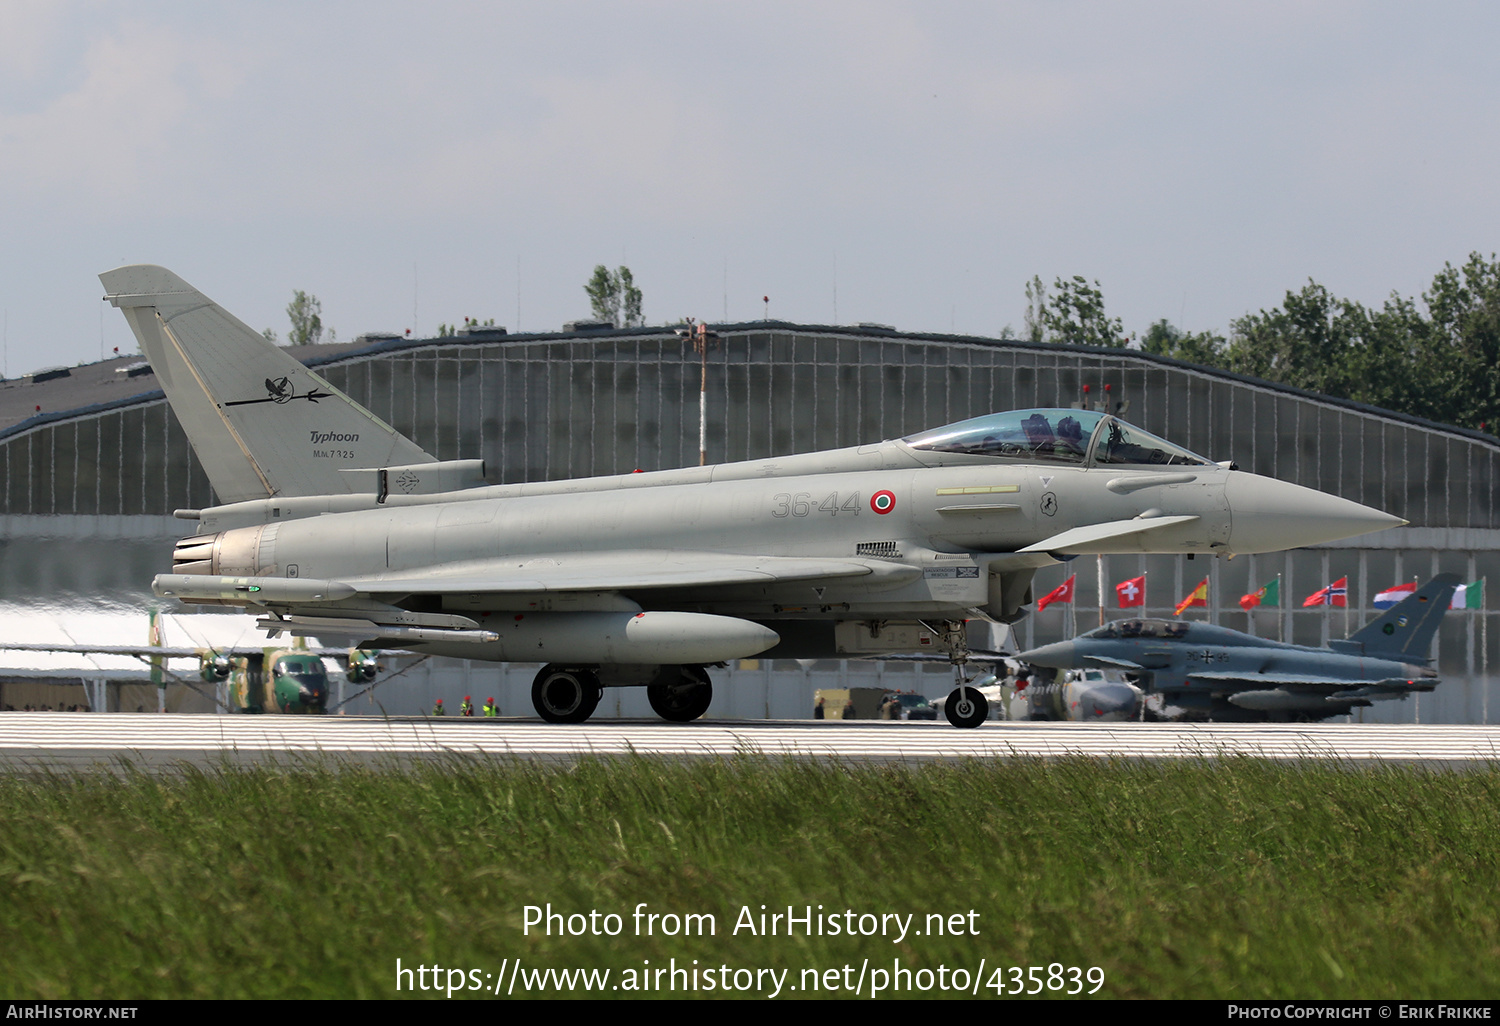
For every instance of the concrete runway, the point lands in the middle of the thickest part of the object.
(70, 741)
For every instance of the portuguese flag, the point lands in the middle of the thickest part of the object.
(1268, 594)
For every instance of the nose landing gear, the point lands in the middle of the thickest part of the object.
(966, 706)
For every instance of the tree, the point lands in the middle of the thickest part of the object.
(1036, 303)
(613, 294)
(1075, 315)
(306, 314)
(1164, 338)
(451, 330)
(1460, 354)
(1443, 364)
(630, 298)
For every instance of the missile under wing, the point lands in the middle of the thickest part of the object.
(1201, 671)
(334, 524)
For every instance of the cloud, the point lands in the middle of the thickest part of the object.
(123, 130)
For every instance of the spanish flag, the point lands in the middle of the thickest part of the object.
(1197, 597)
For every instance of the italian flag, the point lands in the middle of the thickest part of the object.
(1468, 596)
(1267, 595)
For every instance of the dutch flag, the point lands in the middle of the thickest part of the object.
(1388, 598)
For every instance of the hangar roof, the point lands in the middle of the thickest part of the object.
(57, 394)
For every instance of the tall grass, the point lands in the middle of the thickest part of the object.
(1226, 879)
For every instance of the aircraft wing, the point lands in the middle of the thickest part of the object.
(1306, 682)
(1079, 541)
(164, 651)
(159, 651)
(560, 572)
(621, 572)
(1109, 662)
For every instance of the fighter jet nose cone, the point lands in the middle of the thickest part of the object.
(1058, 655)
(1269, 515)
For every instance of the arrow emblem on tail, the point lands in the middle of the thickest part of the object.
(281, 390)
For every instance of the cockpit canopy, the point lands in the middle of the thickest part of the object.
(1056, 436)
(304, 669)
(1140, 629)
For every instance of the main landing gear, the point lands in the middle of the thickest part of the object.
(683, 700)
(570, 694)
(564, 694)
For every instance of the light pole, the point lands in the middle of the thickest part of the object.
(701, 337)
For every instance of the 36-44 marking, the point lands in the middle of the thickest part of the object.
(801, 504)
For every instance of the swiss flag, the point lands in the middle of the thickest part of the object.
(1132, 592)
(1062, 593)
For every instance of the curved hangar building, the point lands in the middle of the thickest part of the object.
(92, 464)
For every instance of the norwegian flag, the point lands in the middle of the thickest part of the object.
(1062, 593)
(1335, 594)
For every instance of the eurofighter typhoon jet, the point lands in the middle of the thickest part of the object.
(1202, 671)
(333, 524)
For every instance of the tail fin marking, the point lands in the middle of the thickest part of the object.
(1405, 631)
(261, 423)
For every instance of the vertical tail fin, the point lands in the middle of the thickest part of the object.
(261, 423)
(1406, 629)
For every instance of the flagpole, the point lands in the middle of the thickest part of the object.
(1250, 613)
(1099, 562)
(1327, 609)
(1280, 611)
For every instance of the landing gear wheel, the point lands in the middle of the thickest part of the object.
(966, 707)
(565, 695)
(685, 700)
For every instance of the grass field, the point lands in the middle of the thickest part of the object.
(1210, 880)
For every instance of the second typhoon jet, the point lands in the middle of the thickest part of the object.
(333, 524)
(1197, 671)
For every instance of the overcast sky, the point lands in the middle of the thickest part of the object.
(907, 163)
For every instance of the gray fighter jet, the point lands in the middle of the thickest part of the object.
(332, 523)
(1200, 671)
(1085, 695)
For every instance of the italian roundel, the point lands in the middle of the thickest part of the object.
(883, 502)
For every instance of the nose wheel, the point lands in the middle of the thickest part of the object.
(966, 707)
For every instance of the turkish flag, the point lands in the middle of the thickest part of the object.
(1132, 592)
(1062, 593)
